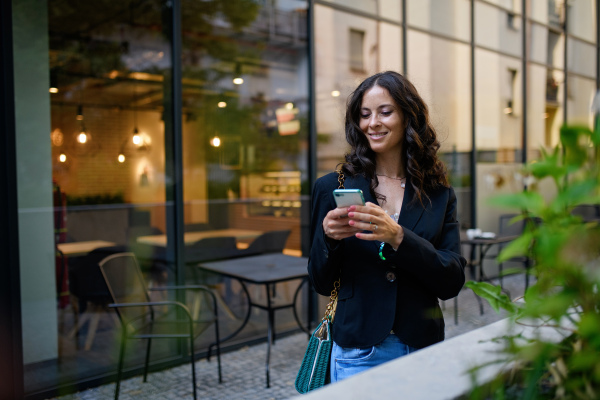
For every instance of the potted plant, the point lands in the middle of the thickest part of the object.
(564, 251)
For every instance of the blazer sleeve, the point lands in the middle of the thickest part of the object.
(439, 266)
(324, 261)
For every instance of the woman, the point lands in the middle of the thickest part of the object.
(400, 252)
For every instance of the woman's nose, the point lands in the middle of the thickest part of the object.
(374, 121)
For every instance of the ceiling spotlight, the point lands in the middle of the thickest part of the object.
(62, 157)
(222, 104)
(335, 93)
(238, 81)
(121, 158)
(215, 142)
(53, 90)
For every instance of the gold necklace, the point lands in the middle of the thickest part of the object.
(402, 184)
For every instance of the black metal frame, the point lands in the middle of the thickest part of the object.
(11, 350)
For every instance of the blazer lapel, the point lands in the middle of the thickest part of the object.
(411, 211)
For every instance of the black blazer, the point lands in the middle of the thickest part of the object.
(400, 293)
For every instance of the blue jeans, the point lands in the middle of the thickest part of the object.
(346, 362)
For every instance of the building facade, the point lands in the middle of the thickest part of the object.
(139, 124)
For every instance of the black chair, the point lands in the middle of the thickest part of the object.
(197, 227)
(90, 295)
(144, 319)
(268, 242)
(506, 228)
(587, 212)
(210, 249)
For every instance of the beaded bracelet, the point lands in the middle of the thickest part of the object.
(381, 251)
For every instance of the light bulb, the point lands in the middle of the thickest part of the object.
(216, 141)
(335, 93)
(137, 139)
(121, 158)
(82, 137)
(62, 157)
(53, 90)
(238, 81)
(222, 104)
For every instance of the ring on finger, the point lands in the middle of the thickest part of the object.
(375, 227)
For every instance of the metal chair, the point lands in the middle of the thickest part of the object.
(268, 242)
(142, 318)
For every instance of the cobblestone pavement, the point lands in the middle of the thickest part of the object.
(244, 369)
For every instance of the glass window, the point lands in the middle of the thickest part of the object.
(245, 132)
(447, 17)
(93, 99)
(89, 91)
(447, 92)
(335, 78)
(357, 44)
(582, 17)
(498, 29)
(498, 131)
(581, 57)
(545, 108)
(581, 93)
(388, 9)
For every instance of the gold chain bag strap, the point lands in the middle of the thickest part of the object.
(314, 370)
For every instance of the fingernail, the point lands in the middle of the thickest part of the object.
(351, 222)
(351, 208)
(351, 215)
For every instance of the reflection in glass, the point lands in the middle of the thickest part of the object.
(245, 130)
(107, 62)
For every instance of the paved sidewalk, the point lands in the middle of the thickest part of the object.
(244, 369)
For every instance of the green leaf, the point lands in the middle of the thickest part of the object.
(493, 295)
(531, 201)
(518, 247)
(576, 193)
(596, 134)
(575, 153)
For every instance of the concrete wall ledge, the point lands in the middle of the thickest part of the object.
(435, 373)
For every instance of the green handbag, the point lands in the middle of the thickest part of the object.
(314, 370)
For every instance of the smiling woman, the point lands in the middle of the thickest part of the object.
(400, 252)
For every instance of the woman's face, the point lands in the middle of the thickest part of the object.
(381, 120)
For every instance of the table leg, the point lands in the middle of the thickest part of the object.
(271, 333)
(238, 330)
(309, 314)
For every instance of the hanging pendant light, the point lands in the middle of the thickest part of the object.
(237, 77)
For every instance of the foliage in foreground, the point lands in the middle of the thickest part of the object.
(565, 253)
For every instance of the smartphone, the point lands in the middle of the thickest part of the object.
(348, 197)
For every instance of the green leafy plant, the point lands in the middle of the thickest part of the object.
(564, 252)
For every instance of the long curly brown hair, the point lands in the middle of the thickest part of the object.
(420, 144)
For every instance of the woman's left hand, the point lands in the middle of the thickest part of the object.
(371, 217)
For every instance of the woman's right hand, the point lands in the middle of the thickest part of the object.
(335, 224)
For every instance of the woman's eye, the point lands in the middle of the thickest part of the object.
(386, 113)
(365, 115)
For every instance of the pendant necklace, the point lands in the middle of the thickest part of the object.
(402, 184)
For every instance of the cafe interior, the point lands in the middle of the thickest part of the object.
(177, 164)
